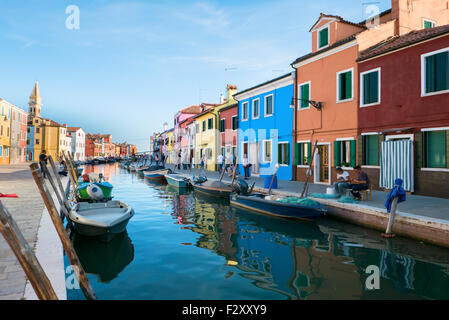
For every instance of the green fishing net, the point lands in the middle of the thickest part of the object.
(324, 196)
(347, 199)
(302, 202)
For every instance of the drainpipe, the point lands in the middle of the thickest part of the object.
(295, 113)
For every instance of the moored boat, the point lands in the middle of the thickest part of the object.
(283, 207)
(101, 219)
(177, 180)
(214, 188)
(157, 175)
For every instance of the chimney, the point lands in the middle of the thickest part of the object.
(165, 126)
(222, 99)
(232, 90)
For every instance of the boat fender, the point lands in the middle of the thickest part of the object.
(95, 192)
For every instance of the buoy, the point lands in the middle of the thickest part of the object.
(94, 192)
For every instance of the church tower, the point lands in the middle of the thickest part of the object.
(35, 102)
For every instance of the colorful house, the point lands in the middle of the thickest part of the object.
(78, 143)
(327, 84)
(404, 111)
(265, 127)
(205, 127)
(180, 118)
(18, 135)
(228, 127)
(5, 131)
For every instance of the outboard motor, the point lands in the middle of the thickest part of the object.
(241, 187)
(198, 180)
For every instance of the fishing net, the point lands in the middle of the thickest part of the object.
(302, 202)
(324, 196)
(347, 199)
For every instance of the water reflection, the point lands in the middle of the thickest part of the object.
(105, 260)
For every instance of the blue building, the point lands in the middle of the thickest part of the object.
(265, 127)
(30, 143)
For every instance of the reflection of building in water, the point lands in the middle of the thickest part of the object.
(107, 170)
(398, 269)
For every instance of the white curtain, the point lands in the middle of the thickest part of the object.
(397, 162)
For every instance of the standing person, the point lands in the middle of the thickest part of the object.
(43, 161)
(163, 160)
(220, 160)
(343, 181)
(229, 161)
(179, 160)
(359, 184)
(246, 166)
(157, 159)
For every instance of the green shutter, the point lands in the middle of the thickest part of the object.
(428, 24)
(442, 71)
(348, 85)
(324, 35)
(309, 150)
(436, 149)
(305, 95)
(371, 150)
(280, 153)
(353, 153)
(287, 154)
(297, 154)
(337, 150)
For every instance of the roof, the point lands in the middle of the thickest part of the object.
(339, 19)
(192, 110)
(335, 45)
(73, 129)
(228, 107)
(383, 13)
(263, 84)
(398, 42)
(203, 113)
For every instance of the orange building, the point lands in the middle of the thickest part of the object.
(327, 83)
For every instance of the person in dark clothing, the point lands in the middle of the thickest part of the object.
(359, 184)
(43, 161)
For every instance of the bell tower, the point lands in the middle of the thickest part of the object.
(35, 102)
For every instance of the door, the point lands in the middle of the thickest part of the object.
(254, 157)
(322, 164)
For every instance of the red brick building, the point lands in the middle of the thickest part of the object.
(404, 96)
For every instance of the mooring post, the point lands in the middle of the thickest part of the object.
(235, 169)
(69, 160)
(56, 174)
(72, 178)
(272, 179)
(309, 170)
(67, 244)
(27, 259)
(388, 233)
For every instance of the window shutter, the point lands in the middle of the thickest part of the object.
(353, 153)
(309, 149)
(279, 153)
(297, 154)
(287, 154)
(348, 85)
(337, 150)
(374, 87)
(442, 71)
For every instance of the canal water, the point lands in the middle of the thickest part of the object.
(181, 245)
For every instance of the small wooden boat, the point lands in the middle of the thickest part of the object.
(303, 209)
(101, 219)
(156, 175)
(177, 180)
(214, 188)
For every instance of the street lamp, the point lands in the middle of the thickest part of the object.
(318, 105)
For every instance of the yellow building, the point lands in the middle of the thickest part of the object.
(170, 146)
(5, 131)
(207, 131)
(48, 135)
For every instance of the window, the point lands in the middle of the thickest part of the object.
(304, 94)
(323, 38)
(222, 126)
(256, 108)
(345, 153)
(303, 150)
(235, 123)
(3, 110)
(435, 149)
(429, 24)
(267, 151)
(371, 150)
(197, 127)
(284, 153)
(245, 111)
(37, 141)
(245, 149)
(204, 125)
(38, 130)
(370, 87)
(269, 105)
(435, 72)
(344, 85)
(210, 123)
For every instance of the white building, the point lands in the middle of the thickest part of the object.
(77, 143)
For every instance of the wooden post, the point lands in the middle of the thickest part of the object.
(61, 198)
(235, 168)
(56, 174)
(72, 177)
(310, 169)
(272, 179)
(73, 165)
(69, 160)
(71, 254)
(222, 172)
(388, 233)
(25, 255)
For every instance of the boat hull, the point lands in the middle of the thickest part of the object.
(211, 191)
(178, 183)
(277, 209)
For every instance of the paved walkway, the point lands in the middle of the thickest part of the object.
(431, 207)
(26, 211)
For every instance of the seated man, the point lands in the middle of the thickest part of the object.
(343, 182)
(359, 184)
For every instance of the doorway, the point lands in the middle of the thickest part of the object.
(254, 157)
(322, 168)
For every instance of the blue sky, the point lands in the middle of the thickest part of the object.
(133, 64)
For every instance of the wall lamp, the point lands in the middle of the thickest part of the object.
(318, 105)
